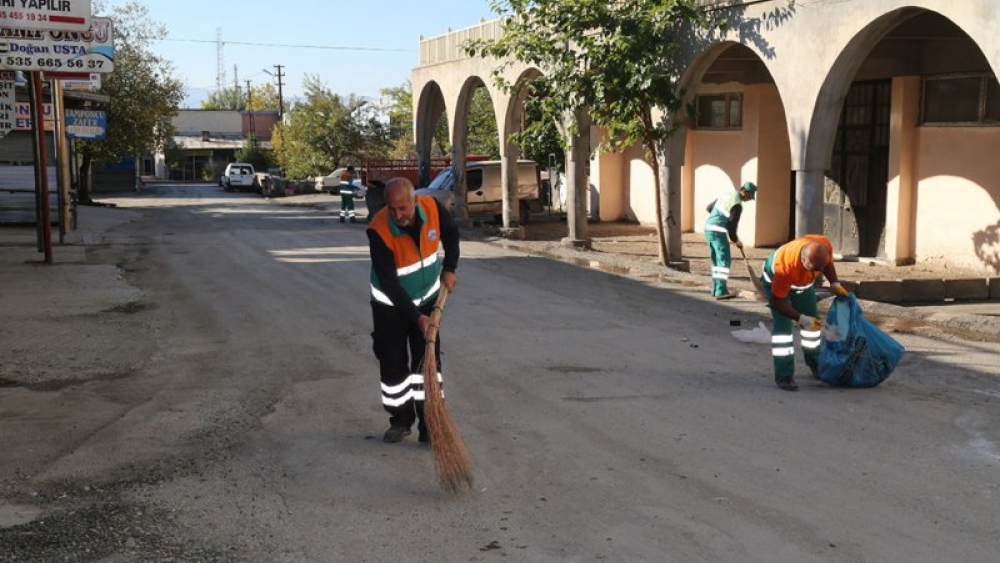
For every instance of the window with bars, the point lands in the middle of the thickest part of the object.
(961, 100)
(720, 111)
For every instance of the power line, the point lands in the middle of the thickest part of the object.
(290, 46)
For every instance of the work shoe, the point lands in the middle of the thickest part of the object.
(395, 434)
(788, 384)
(724, 297)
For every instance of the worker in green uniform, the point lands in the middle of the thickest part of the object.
(347, 181)
(722, 223)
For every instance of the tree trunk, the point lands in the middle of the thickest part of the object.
(650, 146)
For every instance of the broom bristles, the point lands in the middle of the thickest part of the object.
(454, 467)
(760, 294)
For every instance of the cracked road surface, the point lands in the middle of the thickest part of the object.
(197, 384)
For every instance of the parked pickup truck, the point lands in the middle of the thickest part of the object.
(239, 176)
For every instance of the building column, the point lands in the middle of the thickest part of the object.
(460, 188)
(808, 202)
(577, 182)
(511, 224)
(901, 204)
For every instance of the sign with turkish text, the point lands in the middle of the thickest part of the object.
(22, 116)
(86, 124)
(60, 15)
(77, 81)
(91, 51)
(6, 102)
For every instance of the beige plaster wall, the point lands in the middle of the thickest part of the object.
(958, 196)
(642, 196)
(608, 177)
(716, 159)
(767, 219)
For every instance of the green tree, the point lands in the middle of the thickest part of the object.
(543, 139)
(143, 95)
(616, 60)
(230, 98)
(483, 137)
(253, 153)
(399, 108)
(262, 97)
(326, 130)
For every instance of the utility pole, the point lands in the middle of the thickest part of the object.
(253, 129)
(281, 101)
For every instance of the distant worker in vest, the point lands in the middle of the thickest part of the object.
(347, 182)
(406, 275)
(788, 278)
(723, 221)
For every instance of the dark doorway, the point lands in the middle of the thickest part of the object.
(854, 192)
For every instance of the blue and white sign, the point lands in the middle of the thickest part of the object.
(64, 51)
(86, 124)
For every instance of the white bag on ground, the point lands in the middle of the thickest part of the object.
(758, 335)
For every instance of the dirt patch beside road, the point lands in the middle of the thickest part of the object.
(630, 244)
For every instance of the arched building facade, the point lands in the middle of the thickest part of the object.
(875, 122)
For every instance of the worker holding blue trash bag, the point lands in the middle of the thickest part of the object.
(855, 353)
(788, 279)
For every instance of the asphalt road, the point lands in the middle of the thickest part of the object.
(609, 419)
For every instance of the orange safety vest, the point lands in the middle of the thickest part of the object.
(417, 267)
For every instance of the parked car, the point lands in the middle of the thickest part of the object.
(485, 190)
(239, 176)
(331, 182)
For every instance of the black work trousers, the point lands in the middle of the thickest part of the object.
(399, 346)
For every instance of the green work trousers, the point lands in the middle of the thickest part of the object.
(722, 259)
(782, 338)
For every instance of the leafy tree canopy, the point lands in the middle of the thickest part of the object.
(262, 97)
(326, 130)
(143, 93)
(614, 59)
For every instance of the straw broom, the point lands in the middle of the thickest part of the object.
(451, 459)
(761, 296)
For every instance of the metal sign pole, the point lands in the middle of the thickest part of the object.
(41, 166)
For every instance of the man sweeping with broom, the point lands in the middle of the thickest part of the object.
(406, 277)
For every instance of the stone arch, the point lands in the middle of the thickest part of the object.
(459, 139)
(868, 203)
(830, 99)
(430, 106)
(758, 151)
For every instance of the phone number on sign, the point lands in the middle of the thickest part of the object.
(23, 16)
(28, 63)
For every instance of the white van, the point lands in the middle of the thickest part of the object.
(485, 190)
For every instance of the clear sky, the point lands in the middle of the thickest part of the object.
(354, 47)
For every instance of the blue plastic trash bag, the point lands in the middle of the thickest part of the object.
(855, 353)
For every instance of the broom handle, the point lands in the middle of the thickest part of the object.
(436, 314)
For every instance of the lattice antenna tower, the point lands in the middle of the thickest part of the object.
(220, 62)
